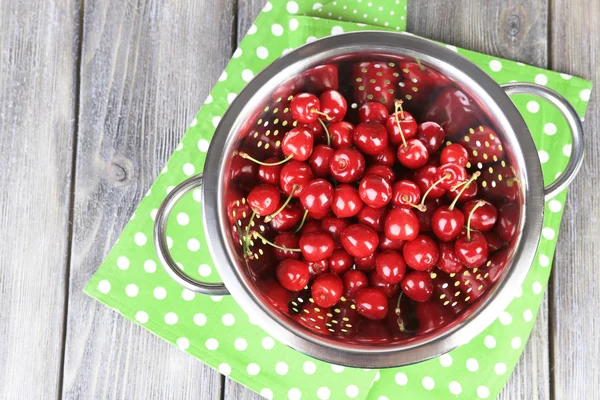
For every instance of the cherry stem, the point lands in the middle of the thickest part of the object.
(246, 235)
(268, 218)
(326, 131)
(443, 178)
(465, 185)
(399, 320)
(315, 111)
(420, 207)
(301, 222)
(398, 107)
(419, 64)
(267, 241)
(479, 204)
(249, 157)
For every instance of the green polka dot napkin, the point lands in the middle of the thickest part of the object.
(215, 330)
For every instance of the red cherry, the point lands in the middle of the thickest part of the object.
(418, 286)
(469, 193)
(494, 242)
(269, 173)
(375, 191)
(371, 303)
(286, 240)
(346, 201)
(386, 244)
(432, 135)
(390, 266)
(302, 107)
(316, 246)
(407, 124)
(447, 294)
(472, 250)
(237, 206)
(294, 173)
(454, 154)
(365, 263)
(421, 253)
(425, 178)
(493, 269)
(310, 226)
(448, 262)
(401, 224)
(317, 196)
(414, 155)
(333, 105)
(341, 134)
(501, 183)
(389, 289)
(370, 138)
(426, 216)
(483, 217)
(297, 144)
(340, 261)
(354, 281)
(243, 170)
(375, 81)
(374, 218)
(483, 145)
(317, 132)
(359, 240)
(320, 78)
(420, 81)
(508, 218)
(405, 193)
(431, 317)
(452, 174)
(334, 226)
(472, 284)
(319, 160)
(447, 222)
(327, 290)
(347, 165)
(386, 157)
(373, 111)
(453, 110)
(314, 318)
(318, 268)
(292, 274)
(382, 170)
(264, 199)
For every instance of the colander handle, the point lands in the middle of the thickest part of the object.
(567, 110)
(162, 249)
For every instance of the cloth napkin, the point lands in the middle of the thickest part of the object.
(216, 330)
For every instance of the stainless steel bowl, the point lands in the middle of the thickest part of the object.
(490, 103)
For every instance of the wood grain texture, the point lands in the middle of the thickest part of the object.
(38, 59)
(146, 68)
(515, 30)
(575, 320)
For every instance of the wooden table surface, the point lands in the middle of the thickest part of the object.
(95, 95)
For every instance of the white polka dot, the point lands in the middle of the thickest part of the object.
(253, 369)
(216, 120)
(252, 30)
(183, 343)
(311, 39)
(500, 368)
(212, 344)
(231, 97)
(268, 343)
(454, 388)
(188, 295)
(192, 124)
(285, 51)
(200, 319)
(323, 393)
(548, 233)
(337, 368)
(544, 260)
(294, 394)
(585, 94)
(541, 79)
(472, 364)
(527, 315)
(554, 205)
(204, 270)
(169, 242)
(203, 145)
(483, 392)
(550, 129)
(237, 53)
(292, 7)
(228, 319)
(268, 7)
(267, 393)
(216, 299)
(208, 99)
(293, 24)
(336, 30)
(489, 342)
(450, 47)
(104, 286)
(262, 52)
(446, 360)
(153, 214)
(131, 290)
(224, 369)
(149, 266)
(495, 65)
(240, 344)
(309, 367)
(223, 76)
(197, 195)
(515, 343)
(567, 150)
(401, 378)
(533, 106)
(505, 318)
(428, 383)
(171, 318)
(141, 317)
(188, 169)
(281, 368)
(160, 293)
(247, 75)
(543, 156)
(352, 391)
(536, 287)
(277, 29)
(193, 245)
(170, 189)
(183, 219)
(123, 262)
(566, 76)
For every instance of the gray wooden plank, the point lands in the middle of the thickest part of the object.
(146, 68)
(575, 44)
(38, 63)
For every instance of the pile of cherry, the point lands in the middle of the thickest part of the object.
(379, 231)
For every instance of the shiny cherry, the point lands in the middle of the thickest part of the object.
(243, 170)
(425, 178)
(317, 196)
(405, 193)
(269, 173)
(386, 244)
(426, 216)
(294, 173)
(297, 144)
(472, 249)
(447, 223)
(390, 266)
(371, 303)
(264, 199)
(365, 263)
(508, 218)
(354, 281)
(373, 111)
(382, 170)
(389, 289)
(347, 165)
(317, 131)
(292, 274)
(319, 160)
(341, 134)
(386, 157)
(483, 217)
(375, 191)
(316, 246)
(494, 242)
(432, 135)
(317, 268)
(286, 240)
(334, 226)
(454, 154)
(359, 240)
(327, 290)
(408, 127)
(401, 224)
(448, 262)
(340, 261)
(346, 201)
(469, 193)
(418, 286)
(452, 174)
(431, 316)
(370, 138)
(374, 218)
(421, 253)
(333, 105)
(310, 226)
(303, 106)
(414, 155)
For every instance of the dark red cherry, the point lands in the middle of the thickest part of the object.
(243, 170)
(316, 246)
(359, 240)
(319, 160)
(421, 81)
(386, 244)
(408, 127)
(401, 224)
(320, 78)
(386, 157)
(418, 286)
(382, 170)
(333, 105)
(317, 196)
(389, 289)
(264, 199)
(405, 193)
(365, 263)
(469, 193)
(354, 280)
(390, 266)
(303, 106)
(375, 81)
(483, 217)
(454, 154)
(315, 318)
(472, 284)
(425, 178)
(347, 319)
(400, 319)
(483, 145)
(237, 206)
(493, 269)
(447, 294)
(472, 252)
(373, 111)
(269, 173)
(453, 110)
(370, 138)
(318, 268)
(452, 174)
(414, 155)
(421, 253)
(327, 290)
(346, 201)
(508, 218)
(310, 226)
(347, 165)
(371, 303)
(432, 135)
(294, 173)
(292, 274)
(297, 144)
(317, 132)
(374, 218)
(340, 261)
(448, 262)
(500, 183)
(334, 226)
(446, 223)
(494, 242)
(274, 293)
(286, 240)
(375, 191)
(426, 216)
(431, 317)
(341, 134)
